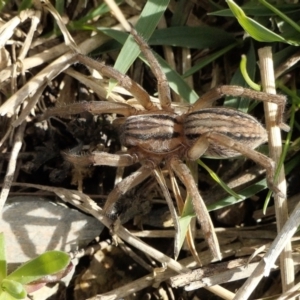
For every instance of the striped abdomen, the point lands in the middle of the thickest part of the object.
(237, 125)
(157, 133)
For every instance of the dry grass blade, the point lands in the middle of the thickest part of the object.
(10, 172)
(118, 14)
(69, 41)
(219, 273)
(268, 262)
(8, 28)
(48, 74)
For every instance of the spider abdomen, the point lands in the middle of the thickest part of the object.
(156, 133)
(235, 124)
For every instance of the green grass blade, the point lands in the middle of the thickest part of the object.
(176, 82)
(252, 190)
(145, 26)
(244, 194)
(254, 9)
(281, 15)
(217, 179)
(253, 28)
(198, 37)
(3, 263)
(185, 219)
(209, 59)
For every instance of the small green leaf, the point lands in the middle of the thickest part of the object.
(3, 263)
(13, 288)
(6, 296)
(47, 263)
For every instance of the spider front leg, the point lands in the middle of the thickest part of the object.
(217, 139)
(113, 160)
(163, 87)
(123, 80)
(237, 91)
(125, 185)
(94, 107)
(184, 174)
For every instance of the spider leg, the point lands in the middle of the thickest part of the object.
(125, 81)
(94, 107)
(162, 82)
(198, 149)
(125, 185)
(232, 90)
(184, 174)
(259, 158)
(101, 159)
(114, 160)
(162, 183)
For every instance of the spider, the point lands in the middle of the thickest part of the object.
(157, 136)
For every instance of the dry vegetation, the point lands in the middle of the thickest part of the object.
(36, 74)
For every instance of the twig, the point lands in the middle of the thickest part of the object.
(263, 268)
(289, 228)
(48, 73)
(89, 251)
(275, 149)
(214, 274)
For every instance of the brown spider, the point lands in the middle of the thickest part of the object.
(156, 136)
